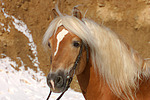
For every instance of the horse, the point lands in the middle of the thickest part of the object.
(106, 67)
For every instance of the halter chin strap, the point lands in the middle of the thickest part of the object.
(72, 71)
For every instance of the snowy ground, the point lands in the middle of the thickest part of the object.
(26, 84)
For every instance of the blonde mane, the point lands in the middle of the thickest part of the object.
(113, 59)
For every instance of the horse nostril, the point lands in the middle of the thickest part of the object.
(59, 81)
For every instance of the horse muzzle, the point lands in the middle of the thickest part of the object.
(57, 81)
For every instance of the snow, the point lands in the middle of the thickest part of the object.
(20, 85)
(22, 27)
(1, 24)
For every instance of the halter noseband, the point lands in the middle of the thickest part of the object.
(72, 71)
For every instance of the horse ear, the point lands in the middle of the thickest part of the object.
(77, 13)
(55, 14)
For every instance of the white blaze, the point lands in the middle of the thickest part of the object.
(60, 37)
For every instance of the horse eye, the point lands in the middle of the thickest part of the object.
(49, 44)
(76, 44)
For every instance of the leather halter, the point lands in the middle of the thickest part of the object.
(72, 71)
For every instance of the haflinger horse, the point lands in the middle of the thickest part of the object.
(105, 66)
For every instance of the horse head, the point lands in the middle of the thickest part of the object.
(69, 56)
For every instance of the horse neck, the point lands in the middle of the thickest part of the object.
(93, 86)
